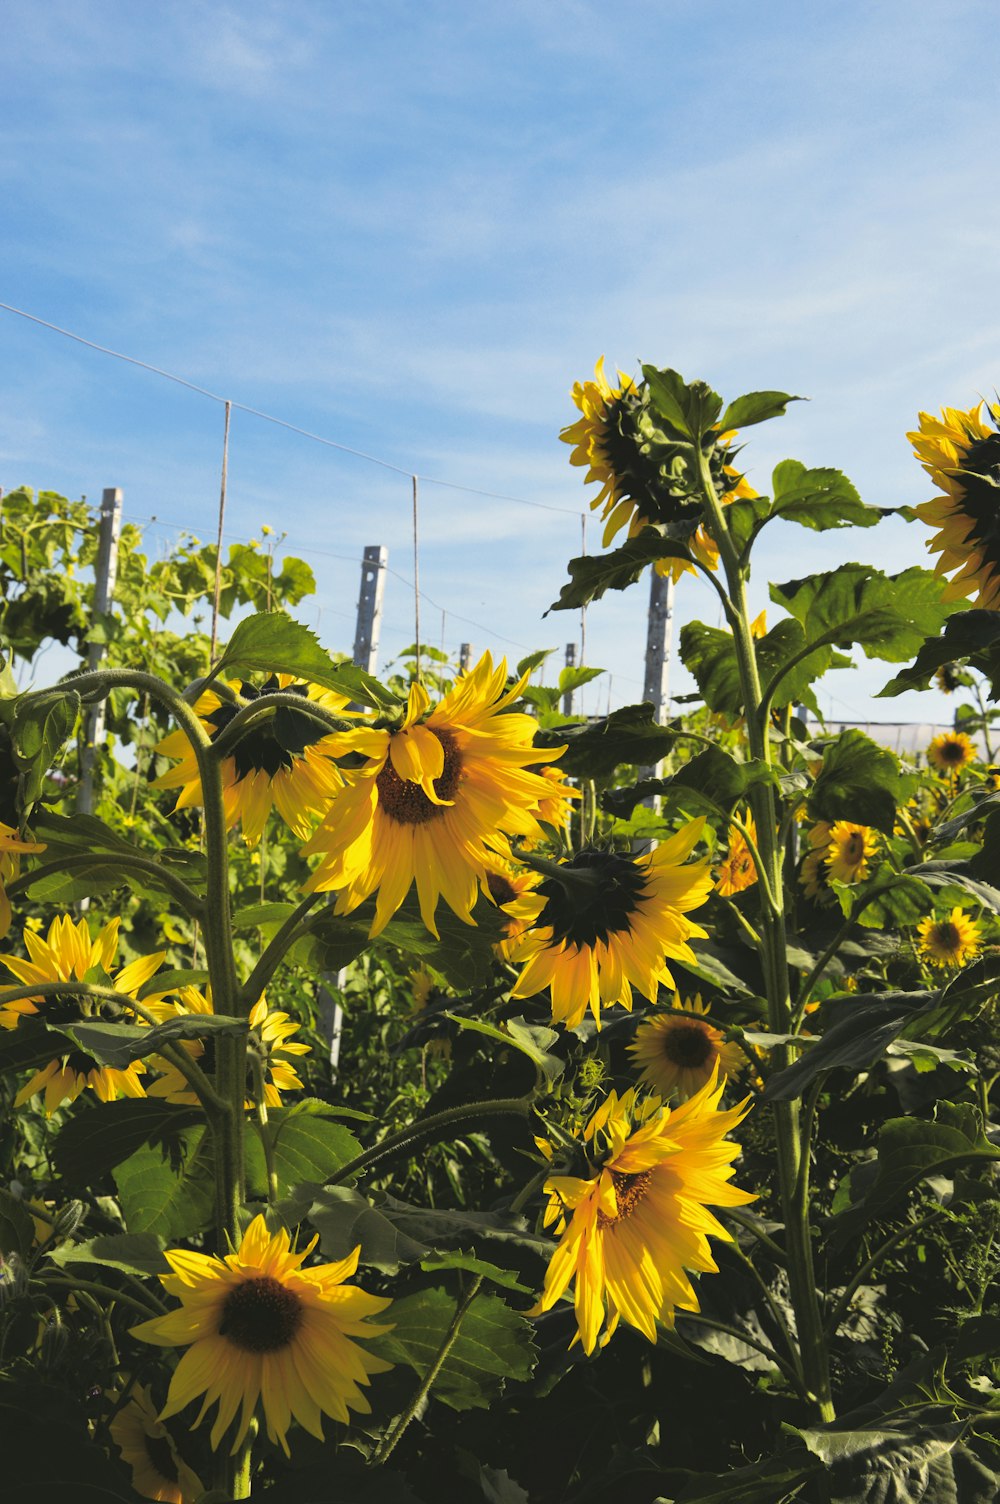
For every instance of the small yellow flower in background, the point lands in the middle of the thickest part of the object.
(680, 1051)
(261, 1329)
(949, 942)
(158, 1470)
(285, 762)
(12, 848)
(514, 890)
(556, 805)
(434, 800)
(613, 927)
(951, 751)
(961, 454)
(273, 1030)
(67, 954)
(814, 875)
(849, 851)
(641, 1219)
(738, 871)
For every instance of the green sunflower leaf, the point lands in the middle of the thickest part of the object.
(968, 635)
(30, 1045)
(305, 1144)
(493, 1345)
(118, 1045)
(710, 656)
(755, 407)
(594, 749)
(464, 952)
(132, 1253)
(272, 643)
(592, 574)
(17, 1231)
(713, 780)
(89, 1144)
(861, 782)
(886, 616)
(472, 1265)
(532, 1040)
(157, 1198)
(344, 1219)
(41, 726)
(887, 899)
(856, 1035)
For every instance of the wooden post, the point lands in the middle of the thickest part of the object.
(568, 697)
(659, 632)
(105, 574)
(366, 639)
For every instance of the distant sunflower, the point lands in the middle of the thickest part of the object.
(158, 1470)
(612, 926)
(12, 848)
(260, 1328)
(949, 942)
(68, 954)
(286, 761)
(433, 799)
(271, 1038)
(596, 436)
(848, 855)
(738, 871)
(951, 751)
(640, 1218)
(961, 453)
(948, 678)
(514, 891)
(556, 804)
(680, 1051)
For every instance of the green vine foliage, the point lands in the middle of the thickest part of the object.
(846, 1349)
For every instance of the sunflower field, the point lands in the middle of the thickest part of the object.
(406, 1098)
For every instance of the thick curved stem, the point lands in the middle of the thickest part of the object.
(397, 1143)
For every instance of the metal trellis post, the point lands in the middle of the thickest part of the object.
(567, 701)
(105, 574)
(659, 633)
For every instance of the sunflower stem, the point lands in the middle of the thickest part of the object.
(245, 720)
(774, 958)
(397, 1143)
(186, 897)
(273, 955)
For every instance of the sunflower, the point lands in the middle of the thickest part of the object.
(260, 1327)
(286, 761)
(949, 942)
(596, 436)
(158, 1470)
(814, 876)
(948, 678)
(12, 848)
(640, 1218)
(270, 1037)
(849, 850)
(68, 954)
(951, 751)
(610, 922)
(738, 870)
(556, 804)
(514, 891)
(961, 454)
(679, 1051)
(434, 797)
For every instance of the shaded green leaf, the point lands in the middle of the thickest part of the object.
(712, 780)
(594, 749)
(89, 1144)
(968, 635)
(861, 782)
(118, 1045)
(270, 642)
(17, 1231)
(592, 574)
(462, 953)
(471, 1265)
(856, 1035)
(344, 1219)
(532, 1040)
(161, 1200)
(855, 604)
(493, 1345)
(133, 1253)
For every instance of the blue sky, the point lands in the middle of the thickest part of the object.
(411, 228)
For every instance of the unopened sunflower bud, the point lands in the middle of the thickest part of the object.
(68, 1220)
(13, 1278)
(53, 1342)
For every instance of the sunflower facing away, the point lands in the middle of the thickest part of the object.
(12, 848)
(158, 1470)
(611, 925)
(849, 851)
(948, 942)
(67, 954)
(680, 1051)
(640, 1218)
(737, 871)
(434, 798)
(259, 1327)
(594, 437)
(285, 761)
(961, 453)
(270, 1036)
(951, 751)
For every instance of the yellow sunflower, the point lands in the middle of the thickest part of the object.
(640, 1218)
(434, 797)
(850, 849)
(259, 1327)
(556, 805)
(158, 1470)
(270, 1035)
(514, 890)
(68, 954)
(738, 871)
(961, 453)
(286, 761)
(593, 436)
(949, 942)
(12, 848)
(814, 876)
(611, 924)
(951, 751)
(680, 1051)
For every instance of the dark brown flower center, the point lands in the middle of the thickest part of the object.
(260, 1315)
(272, 744)
(629, 1191)
(854, 848)
(405, 802)
(609, 903)
(687, 1044)
(947, 936)
(501, 888)
(979, 476)
(161, 1456)
(952, 752)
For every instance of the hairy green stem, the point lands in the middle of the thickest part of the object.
(177, 888)
(264, 709)
(274, 953)
(396, 1143)
(901, 1235)
(761, 1347)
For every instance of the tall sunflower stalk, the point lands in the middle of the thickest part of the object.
(792, 1127)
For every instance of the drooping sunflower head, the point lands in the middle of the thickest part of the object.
(270, 1057)
(12, 848)
(679, 1051)
(961, 453)
(737, 871)
(610, 923)
(849, 852)
(950, 942)
(285, 761)
(603, 436)
(158, 1470)
(951, 751)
